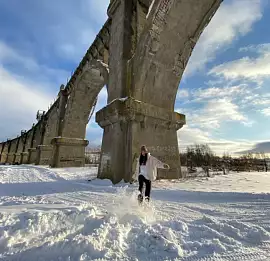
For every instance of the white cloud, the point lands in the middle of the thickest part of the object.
(214, 113)
(20, 98)
(19, 102)
(261, 48)
(9, 55)
(232, 20)
(182, 93)
(261, 101)
(28, 67)
(266, 111)
(188, 136)
(221, 110)
(246, 67)
(227, 91)
(74, 35)
(62, 30)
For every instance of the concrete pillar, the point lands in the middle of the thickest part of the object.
(44, 154)
(121, 46)
(127, 125)
(1, 148)
(118, 136)
(32, 155)
(26, 146)
(69, 146)
(19, 149)
(63, 98)
(4, 152)
(35, 141)
(69, 152)
(116, 143)
(12, 151)
(48, 133)
(153, 74)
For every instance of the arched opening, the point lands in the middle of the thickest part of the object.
(164, 51)
(94, 132)
(69, 147)
(154, 73)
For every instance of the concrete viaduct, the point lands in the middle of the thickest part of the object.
(140, 54)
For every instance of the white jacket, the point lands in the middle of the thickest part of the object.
(152, 164)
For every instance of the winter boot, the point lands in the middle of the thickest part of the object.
(140, 198)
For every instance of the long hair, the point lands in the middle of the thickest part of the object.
(143, 159)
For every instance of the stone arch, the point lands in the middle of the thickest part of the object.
(4, 152)
(69, 147)
(165, 47)
(82, 97)
(147, 116)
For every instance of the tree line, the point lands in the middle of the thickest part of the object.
(201, 155)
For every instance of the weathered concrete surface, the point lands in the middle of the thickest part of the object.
(1, 149)
(19, 149)
(27, 146)
(99, 50)
(35, 141)
(12, 151)
(70, 152)
(152, 76)
(4, 152)
(123, 119)
(69, 147)
(44, 154)
(161, 56)
(32, 156)
(147, 52)
(49, 131)
(116, 144)
(24, 157)
(34, 150)
(121, 44)
(165, 48)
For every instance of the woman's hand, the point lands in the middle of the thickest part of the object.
(166, 166)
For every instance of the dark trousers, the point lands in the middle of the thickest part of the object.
(147, 182)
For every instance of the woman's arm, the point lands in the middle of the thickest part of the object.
(136, 173)
(159, 164)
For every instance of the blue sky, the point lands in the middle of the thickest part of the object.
(225, 91)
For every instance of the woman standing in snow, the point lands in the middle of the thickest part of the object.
(146, 172)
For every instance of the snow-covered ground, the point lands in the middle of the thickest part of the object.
(57, 214)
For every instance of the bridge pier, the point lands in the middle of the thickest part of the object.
(69, 145)
(4, 151)
(24, 158)
(69, 152)
(3, 158)
(11, 151)
(32, 155)
(10, 158)
(147, 51)
(127, 125)
(44, 154)
(17, 158)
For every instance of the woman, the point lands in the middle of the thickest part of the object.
(146, 172)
